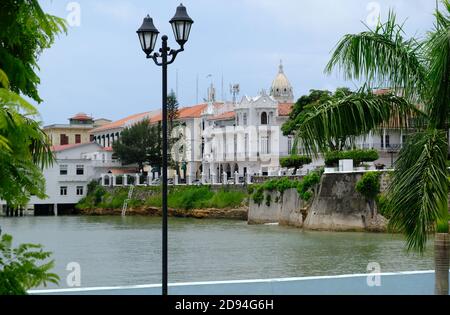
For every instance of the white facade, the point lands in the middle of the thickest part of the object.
(66, 181)
(244, 141)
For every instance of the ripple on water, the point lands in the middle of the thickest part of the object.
(126, 251)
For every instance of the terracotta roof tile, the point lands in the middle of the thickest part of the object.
(284, 109)
(184, 113)
(57, 148)
(224, 116)
(120, 123)
(81, 116)
(381, 91)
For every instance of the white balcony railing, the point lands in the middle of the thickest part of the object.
(106, 163)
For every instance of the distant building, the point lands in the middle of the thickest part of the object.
(77, 131)
(66, 181)
(107, 133)
(281, 89)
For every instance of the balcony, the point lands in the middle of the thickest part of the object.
(73, 178)
(106, 163)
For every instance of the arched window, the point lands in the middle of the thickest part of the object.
(245, 119)
(264, 118)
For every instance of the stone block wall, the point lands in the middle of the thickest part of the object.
(336, 206)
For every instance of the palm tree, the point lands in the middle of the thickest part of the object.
(417, 72)
(24, 148)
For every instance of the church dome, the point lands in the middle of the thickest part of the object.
(281, 89)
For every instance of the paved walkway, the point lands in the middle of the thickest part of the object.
(399, 283)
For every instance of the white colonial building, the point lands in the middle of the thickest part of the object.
(66, 181)
(245, 139)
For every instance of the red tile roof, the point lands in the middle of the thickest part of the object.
(58, 148)
(284, 109)
(224, 116)
(381, 91)
(81, 116)
(184, 113)
(120, 123)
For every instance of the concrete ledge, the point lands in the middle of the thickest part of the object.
(395, 283)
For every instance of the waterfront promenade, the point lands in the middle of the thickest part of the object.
(396, 283)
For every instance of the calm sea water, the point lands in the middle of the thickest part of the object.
(115, 251)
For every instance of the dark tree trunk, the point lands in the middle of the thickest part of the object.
(441, 261)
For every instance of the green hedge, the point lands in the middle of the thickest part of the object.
(303, 186)
(182, 198)
(295, 161)
(369, 185)
(358, 156)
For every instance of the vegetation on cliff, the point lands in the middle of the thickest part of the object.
(358, 156)
(179, 197)
(304, 187)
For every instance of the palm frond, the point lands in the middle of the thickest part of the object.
(383, 58)
(351, 116)
(437, 50)
(418, 192)
(4, 81)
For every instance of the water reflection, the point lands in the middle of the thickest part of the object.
(126, 251)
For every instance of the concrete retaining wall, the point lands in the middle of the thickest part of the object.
(285, 209)
(336, 206)
(339, 207)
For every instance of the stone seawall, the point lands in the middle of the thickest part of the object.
(285, 209)
(212, 213)
(336, 206)
(339, 207)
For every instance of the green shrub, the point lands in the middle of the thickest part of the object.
(382, 205)
(306, 184)
(358, 156)
(20, 269)
(268, 199)
(225, 199)
(116, 201)
(369, 185)
(258, 195)
(303, 187)
(154, 201)
(285, 183)
(280, 185)
(98, 194)
(190, 198)
(295, 161)
(92, 186)
(332, 158)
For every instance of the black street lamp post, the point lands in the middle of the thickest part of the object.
(148, 35)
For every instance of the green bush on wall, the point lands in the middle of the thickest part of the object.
(303, 186)
(182, 198)
(369, 185)
(358, 156)
(295, 161)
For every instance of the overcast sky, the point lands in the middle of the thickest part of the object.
(99, 68)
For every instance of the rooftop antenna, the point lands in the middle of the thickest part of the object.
(223, 100)
(197, 91)
(234, 91)
(176, 84)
